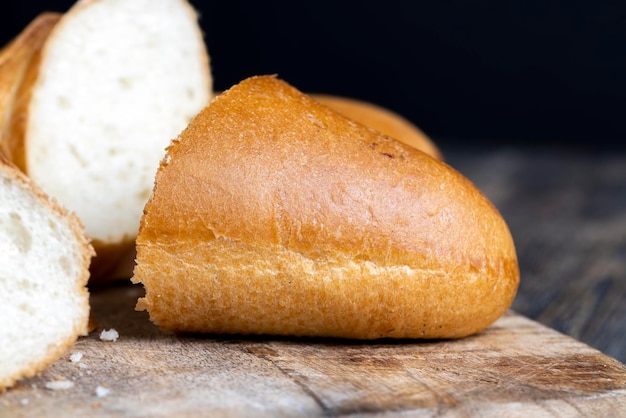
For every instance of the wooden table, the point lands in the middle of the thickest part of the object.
(515, 368)
(567, 214)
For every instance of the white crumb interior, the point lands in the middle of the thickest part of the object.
(118, 83)
(39, 265)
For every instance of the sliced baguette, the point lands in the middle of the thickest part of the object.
(114, 82)
(273, 214)
(15, 60)
(44, 269)
(383, 120)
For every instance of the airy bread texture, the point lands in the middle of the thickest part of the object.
(273, 214)
(383, 120)
(113, 83)
(44, 269)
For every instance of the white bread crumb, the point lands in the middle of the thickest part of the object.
(102, 391)
(75, 357)
(109, 335)
(59, 385)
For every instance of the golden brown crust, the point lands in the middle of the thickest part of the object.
(18, 68)
(59, 348)
(274, 214)
(383, 120)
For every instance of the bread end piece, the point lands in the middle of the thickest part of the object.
(273, 214)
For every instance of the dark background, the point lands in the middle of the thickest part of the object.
(479, 72)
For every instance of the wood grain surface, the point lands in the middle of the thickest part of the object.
(516, 368)
(567, 212)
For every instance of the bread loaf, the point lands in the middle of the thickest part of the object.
(273, 214)
(383, 120)
(110, 86)
(44, 261)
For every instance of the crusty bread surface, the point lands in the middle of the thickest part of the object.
(273, 214)
(44, 269)
(111, 85)
(383, 120)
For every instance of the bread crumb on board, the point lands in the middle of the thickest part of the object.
(76, 357)
(109, 335)
(59, 385)
(102, 391)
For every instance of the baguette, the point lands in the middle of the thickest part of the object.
(382, 120)
(273, 214)
(44, 269)
(110, 86)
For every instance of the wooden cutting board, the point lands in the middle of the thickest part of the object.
(516, 368)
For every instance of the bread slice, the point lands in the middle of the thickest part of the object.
(273, 214)
(15, 59)
(115, 81)
(44, 268)
(383, 120)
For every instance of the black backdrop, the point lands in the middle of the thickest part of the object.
(503, 72)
